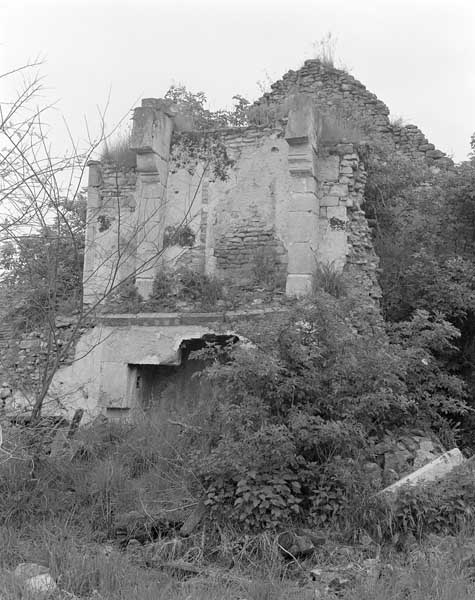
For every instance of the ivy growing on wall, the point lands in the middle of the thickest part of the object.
(203, 144)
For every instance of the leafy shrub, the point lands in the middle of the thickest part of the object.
(163, 288)
(179, 235)
(308, 402)
(198, 286)
(124, 298)
(187, 285)
(203, 145)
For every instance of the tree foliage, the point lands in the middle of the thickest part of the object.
(42, 272)
(201, 142)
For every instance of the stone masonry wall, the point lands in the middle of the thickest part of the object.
(111, 217)
(249, 248)
(345, 237)
(339, 94)
(410, 140)
(246, 224)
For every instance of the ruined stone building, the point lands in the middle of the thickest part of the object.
(293, 196)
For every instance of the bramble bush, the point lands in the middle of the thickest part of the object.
(300, 411)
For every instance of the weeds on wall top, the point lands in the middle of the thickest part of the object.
(117, 152)
(204, 145)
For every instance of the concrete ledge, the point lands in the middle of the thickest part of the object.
(174, 319)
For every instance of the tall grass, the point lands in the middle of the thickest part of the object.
(118, 152)
(329, 279)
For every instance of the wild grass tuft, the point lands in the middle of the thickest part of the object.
(329, 279)
(118, 152)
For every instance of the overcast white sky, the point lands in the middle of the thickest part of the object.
(417, 56)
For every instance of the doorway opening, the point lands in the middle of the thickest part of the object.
(173, 388)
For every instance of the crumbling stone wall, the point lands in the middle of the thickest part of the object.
(25, 354)
(351, 105)
(410, 140)
(111, 217)
(333, 90)
(293, 197)
(247, 221)
(250, 249)
(286, 205)
(345, 237)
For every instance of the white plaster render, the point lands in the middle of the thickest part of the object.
(98, 377)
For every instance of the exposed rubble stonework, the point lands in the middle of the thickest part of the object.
(292, 198)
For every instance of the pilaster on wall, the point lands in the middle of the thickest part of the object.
(93, 203)
(151, 137)
(303, 212)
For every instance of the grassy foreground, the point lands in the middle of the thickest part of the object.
(440, 569)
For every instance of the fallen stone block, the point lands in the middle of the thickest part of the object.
(432, 471)
(35, 579)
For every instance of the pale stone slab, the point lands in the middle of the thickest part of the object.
(303, 121)
(298, 285)
(328, 169)
(301, 259)
(436, 469)
(339, 189)
(302, 183)
(301, 227)
(303, 202)
(330, 201)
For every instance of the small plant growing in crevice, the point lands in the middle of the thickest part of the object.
(125, 298)
(266, 270)
(198, 286)
(104, 223)
(329, 279)
(325, 49)
(184, 285)
(178, 235)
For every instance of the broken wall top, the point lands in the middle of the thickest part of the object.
(341, 95)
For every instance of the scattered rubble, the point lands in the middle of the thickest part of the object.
(299, 543)
(334, 580)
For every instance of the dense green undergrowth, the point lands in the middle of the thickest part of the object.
(276, 435)
(277, 432)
